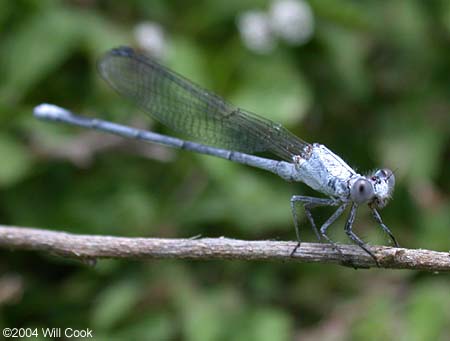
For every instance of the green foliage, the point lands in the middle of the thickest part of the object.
(372, 84)
(18, 164)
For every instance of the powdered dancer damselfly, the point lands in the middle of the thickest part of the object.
(194, 111)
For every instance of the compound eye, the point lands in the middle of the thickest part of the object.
(362, 191)
(386, 175)
(382, 173)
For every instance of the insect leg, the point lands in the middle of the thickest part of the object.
(353, 236)
(377, 218)
(308, 204)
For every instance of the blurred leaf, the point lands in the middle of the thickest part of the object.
(445, 13)
(145, 327)
(348, 52)
(100, 35)
(242, 198)
(265, 324)
(410, 27)
(37, 48)
(205, 313)
(220, 11)
(433, 228)
(273, 88)
(42, 43)
(207, 316)
(352, 14)
(428, 311)
(5, 12)
(114, 303)
(16, 163)
(187, 59)
(376, 321)
(131, 210)
(410, 143)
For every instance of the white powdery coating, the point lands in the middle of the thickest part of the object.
(150, 36)
(255, 29)
(292, 20)
(326, 172)
(49, 110)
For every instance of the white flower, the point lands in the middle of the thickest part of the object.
(292, 20)
(150, 37)
(255, 29)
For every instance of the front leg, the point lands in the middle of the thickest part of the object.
(353, 236)
(377, 218)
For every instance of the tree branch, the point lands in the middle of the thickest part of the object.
(91, 247)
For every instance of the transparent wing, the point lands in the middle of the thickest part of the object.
(188, 109)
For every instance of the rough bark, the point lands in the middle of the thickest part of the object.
(89, 248)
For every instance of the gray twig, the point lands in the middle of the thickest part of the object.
(91, 247)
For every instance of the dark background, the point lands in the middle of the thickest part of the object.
(371, 82)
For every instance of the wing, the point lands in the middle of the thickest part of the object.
(188, 109)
